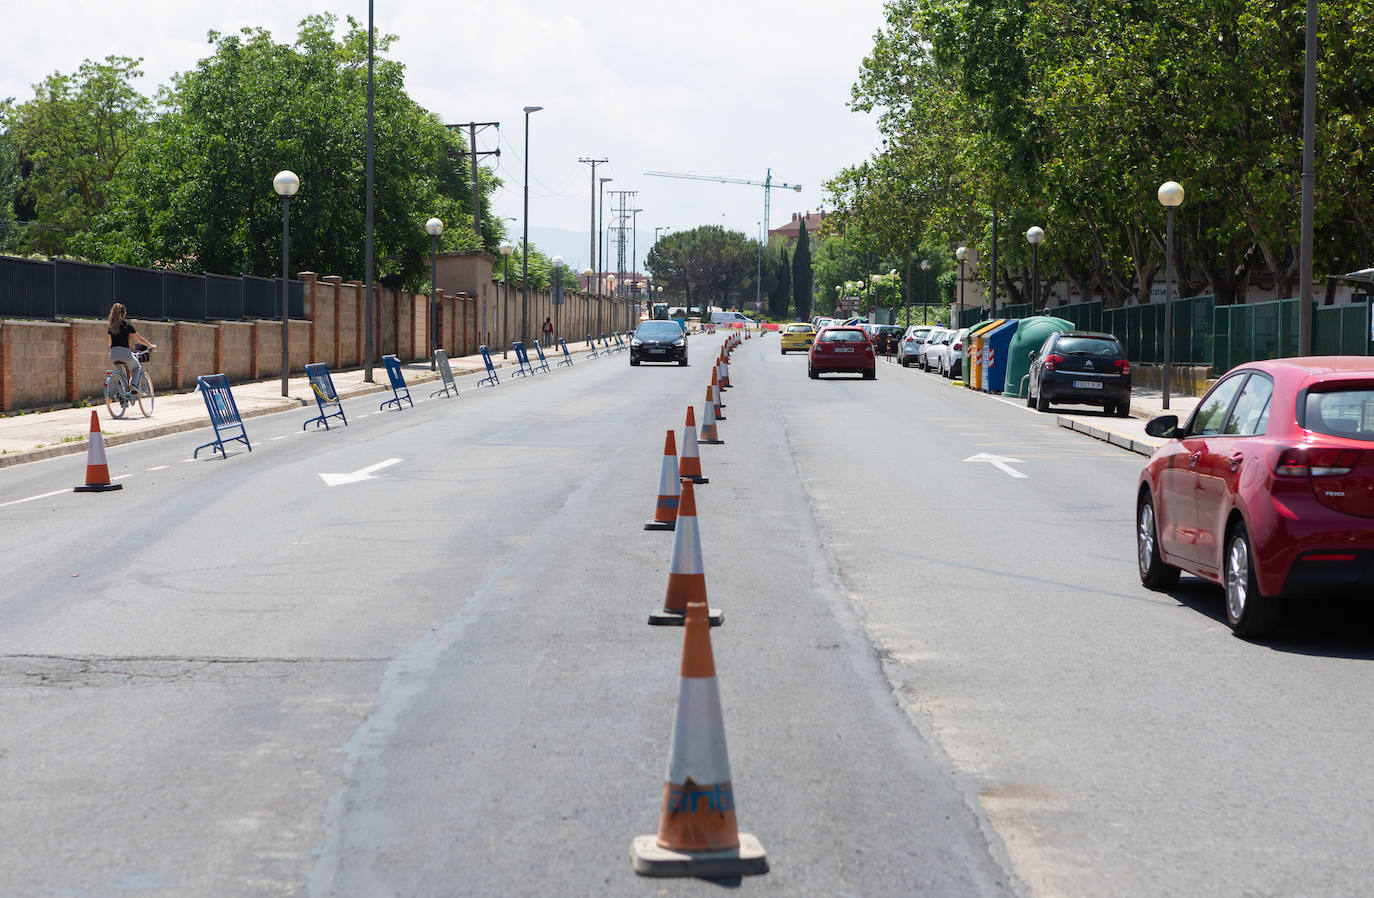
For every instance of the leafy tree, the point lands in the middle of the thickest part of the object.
(780, 290)
(197, 194)
(801, 274)
(706, 264)
(72, 138)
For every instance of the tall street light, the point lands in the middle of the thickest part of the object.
(369, 294)
(434, 227)
(525, 241)
(600, 268)
(557, 291)
(593, 231)
(589, 274)
(961, 254)
(1035, 236)
(506, 249)
(285, 184)
(1171, 196)
(925, 288)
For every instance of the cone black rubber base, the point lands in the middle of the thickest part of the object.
(698, 480)
(718, 418)
(712, 442)
(97, 487)
(661, 525)
(651, 859)
(665, 618)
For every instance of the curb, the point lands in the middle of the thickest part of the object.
(1131, 444)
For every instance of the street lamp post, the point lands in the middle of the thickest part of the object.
(285, 184)
(590, 273)
(557, 291)
(1171, 196)
(600, 266)
(434, 227)
(506, 249)
(1035, 236)
(925, 289)
(961, 254)
(525, 241)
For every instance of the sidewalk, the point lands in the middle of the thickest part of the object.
(1129, 433)
(32, 436)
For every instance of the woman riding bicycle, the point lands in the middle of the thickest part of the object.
(119, 332)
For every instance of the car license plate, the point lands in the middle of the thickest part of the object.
(658, 351)
(844, 349)
(1087, 385)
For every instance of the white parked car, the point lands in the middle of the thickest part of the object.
(951, 360)
(913, 341)
(931, 349)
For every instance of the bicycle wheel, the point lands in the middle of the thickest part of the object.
(145, 392)
(115, 402)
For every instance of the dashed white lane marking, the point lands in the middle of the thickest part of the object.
(158, 468)
(282, 437)
(33, 498)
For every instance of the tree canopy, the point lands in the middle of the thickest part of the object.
(706, 264)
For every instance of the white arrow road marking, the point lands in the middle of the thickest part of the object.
(1001, 463)
(361, 474)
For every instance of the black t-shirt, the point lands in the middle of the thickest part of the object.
(126, 330)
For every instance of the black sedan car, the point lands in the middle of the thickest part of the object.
(1083, 368)
(658, 341)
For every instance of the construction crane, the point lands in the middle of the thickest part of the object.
(767, 184)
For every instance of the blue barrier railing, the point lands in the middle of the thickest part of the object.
(491, 380)
(326, 397)
(224, 414)
(591, 344)
(445, 374)
(543, 360)
(567, 356)
(523, 359)
(399, 391)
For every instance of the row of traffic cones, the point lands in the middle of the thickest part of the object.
(698, 834)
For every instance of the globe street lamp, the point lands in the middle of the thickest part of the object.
(285, 184)
(557, 293)
(434, 227)
(1170, 196)
(961, 254)
(525, 241)
(506, 249)
(925, 288)
(1035, 236)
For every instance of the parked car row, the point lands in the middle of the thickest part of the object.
(932, 347)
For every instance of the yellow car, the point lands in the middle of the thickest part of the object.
(797, 336)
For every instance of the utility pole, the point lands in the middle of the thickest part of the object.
(473, 153)
(591, 232)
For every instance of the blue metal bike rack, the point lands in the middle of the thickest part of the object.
(543, 360)
(224, 413)
(399, 391)
(591, 344)
(491, 380)
(567, 356)
(523, 358)
(326, 397)
(445, 374)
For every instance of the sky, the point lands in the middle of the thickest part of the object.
(716, 88)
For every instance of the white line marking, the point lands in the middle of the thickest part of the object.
(33, 498)
(158, 468)
(279, 438)
(361, 474)
(999, 462)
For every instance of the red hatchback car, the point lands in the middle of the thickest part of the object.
(1268, 489)
(839, 349)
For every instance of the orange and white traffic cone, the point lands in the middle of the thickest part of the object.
(714, 401)
(686, 574)
(725, 372)
(669, 489)
(709, 436)
(97, 470)
(698, 834)
(689, 463)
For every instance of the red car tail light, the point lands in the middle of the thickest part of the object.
(958, 346)
(1053, 359)
(1310, 462)
(911, 339)
(1122, 366)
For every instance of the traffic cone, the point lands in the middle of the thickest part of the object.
(686, 574)
(708, 423)
(97, 471)
(669, 489)
(698, 834)
(725, 373)
(689, 463)
(714, 402)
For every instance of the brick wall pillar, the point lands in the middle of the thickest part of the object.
(219, 350)
(359, 302)
(178, 375)
(335, 287)
(310, 285)
(253, 352)
(69, 364)
(6, 384)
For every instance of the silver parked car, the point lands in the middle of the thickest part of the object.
(932, 348)
(913, 341)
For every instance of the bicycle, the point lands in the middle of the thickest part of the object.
(120, 394)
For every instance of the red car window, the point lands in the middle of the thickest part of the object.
(1211, 412)
(1250, 415)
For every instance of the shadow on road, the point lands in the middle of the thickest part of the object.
(1324, 627)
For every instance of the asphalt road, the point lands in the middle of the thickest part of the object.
(939, 678)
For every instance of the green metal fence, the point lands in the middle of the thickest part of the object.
(1206, 334)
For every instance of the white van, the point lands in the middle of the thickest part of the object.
(730, 319)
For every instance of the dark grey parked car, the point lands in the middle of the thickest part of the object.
(658, 341)
(1080, 367)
